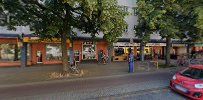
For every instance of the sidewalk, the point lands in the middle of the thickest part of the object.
(15, 75)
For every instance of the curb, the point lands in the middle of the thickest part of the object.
(85, 78)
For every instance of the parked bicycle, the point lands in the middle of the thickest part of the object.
(182, 60)
(74, 68)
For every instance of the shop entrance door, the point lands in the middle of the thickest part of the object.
(39, 57)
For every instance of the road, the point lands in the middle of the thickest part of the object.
(151, 94)
(92, 88)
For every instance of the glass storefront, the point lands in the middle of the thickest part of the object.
(7, 52)
(53, 52)
(12, 52)
(89, 51)
(120, 51)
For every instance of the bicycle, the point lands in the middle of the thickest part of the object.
(74, 68)
(182, 62)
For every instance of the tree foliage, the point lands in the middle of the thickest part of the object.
(171, 19)
(57, 18)
(189, 20)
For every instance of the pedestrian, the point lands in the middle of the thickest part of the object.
(100, 54)
(131, 62)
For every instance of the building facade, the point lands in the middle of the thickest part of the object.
(35, 51)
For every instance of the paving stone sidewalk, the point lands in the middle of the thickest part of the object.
(38, 73)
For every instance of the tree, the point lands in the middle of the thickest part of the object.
(143, 30)
(192, 19)
(189, 21)
(57, 18)
(159, 16)
(111, 22)
(114, 26)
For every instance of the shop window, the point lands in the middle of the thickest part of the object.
(12, 52)
(76, 55)
(125, 8)
(89, 51)
(53, 52)
(119, 51)
(134, 11)
(8, 52)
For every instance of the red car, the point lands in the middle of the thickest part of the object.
(189, 82)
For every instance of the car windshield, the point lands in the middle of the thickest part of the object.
(193, 73)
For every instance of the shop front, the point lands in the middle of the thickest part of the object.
(88, 51)
(177, 50)
(121, 50)
(50, 52)
(10, 52)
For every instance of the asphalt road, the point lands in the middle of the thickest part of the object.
(91, 88)
(152, 94)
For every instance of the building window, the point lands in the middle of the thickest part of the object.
(122, 51)
(53, 52)
(134, 11)
(9, 52)
(124, 8)
(89, 50)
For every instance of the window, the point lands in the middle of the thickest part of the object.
(125, 8)
(134, 11)
(9, 52)
(119, 51)
(89, 51)
(53, 52)
(193, 73)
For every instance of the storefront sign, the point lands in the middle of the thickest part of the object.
(198, 44)
(126, 44)
(37, 40)
(156, 44)
(137, 44)
(88, 43)
(179, 45)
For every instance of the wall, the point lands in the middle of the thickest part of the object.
(101, 45)
(37, 47)
(8, 40)
(78, 46)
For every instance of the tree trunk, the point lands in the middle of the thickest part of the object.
(64, 52)
(142, 51)
(65, 29)
(188, 50)
(110, 53)
(168, 48)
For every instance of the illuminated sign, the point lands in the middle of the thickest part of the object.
(37, 40)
